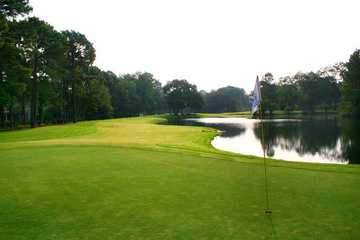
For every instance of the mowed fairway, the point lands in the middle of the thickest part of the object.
(137, 179)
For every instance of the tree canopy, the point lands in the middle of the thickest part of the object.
(351, 86)
(226, 99)
(13, 8)
(181, 95)
(308, 92)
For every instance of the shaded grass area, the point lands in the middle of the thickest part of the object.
(49, 132)
(135, 179)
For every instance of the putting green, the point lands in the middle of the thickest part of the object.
(137, 179)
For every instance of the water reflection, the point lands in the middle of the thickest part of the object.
(351, 140)
(324, 140)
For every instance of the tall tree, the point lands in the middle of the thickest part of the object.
(268, 92)
(10, 68)
(95, 100)
(80, 55)
(39, 44)
(287, 94)
(149, 92)
(180, 94)
(351, 86)
(316, 91)
(227, 99)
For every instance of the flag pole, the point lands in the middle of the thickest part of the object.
(267, 210)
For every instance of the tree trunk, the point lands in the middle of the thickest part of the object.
(11, 116)
(34, 95)
(73, 94)
(64, 100)
(2, 117)
(41, 111)
(23, 110)
(73, 100)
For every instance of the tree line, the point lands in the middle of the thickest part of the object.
(47, 76)
(307, 92)
(226, 99)
(334, 88)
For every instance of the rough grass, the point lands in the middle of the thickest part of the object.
(137, 179)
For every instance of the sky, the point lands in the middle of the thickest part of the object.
(211, 43)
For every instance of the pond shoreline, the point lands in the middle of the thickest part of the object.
(314, 140)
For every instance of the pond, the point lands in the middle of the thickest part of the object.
(323, 139)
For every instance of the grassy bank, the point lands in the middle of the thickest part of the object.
(136, 178)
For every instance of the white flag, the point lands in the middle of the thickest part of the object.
(255, 98)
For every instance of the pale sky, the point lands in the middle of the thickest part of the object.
(211, 43)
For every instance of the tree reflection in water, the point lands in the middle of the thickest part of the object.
(350, 140)
(328, 137)
(316, 139)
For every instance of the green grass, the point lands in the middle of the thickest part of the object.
(137, 179)
(50, 132)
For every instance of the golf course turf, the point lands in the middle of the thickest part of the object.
(139, 178)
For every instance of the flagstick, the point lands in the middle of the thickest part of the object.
(267, 210)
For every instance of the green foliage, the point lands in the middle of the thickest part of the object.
(268, 93)
(227, 99)
(351, 86)
(96, 100)
(13, 8)
(317, 91)
(80, 54)
(47, 76)
(134, 94)
(180, 94)
(39, 46)
(3, 31)
(128, 100)
(149, 91)
(287, 94)
(308, 92)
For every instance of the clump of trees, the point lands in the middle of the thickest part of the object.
(350, 88)
(134, 94)
(181, 95)
(48, 76)
(333, 88)
(226, 99)
(308, 92)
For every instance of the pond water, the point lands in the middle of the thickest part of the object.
(312, 139)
